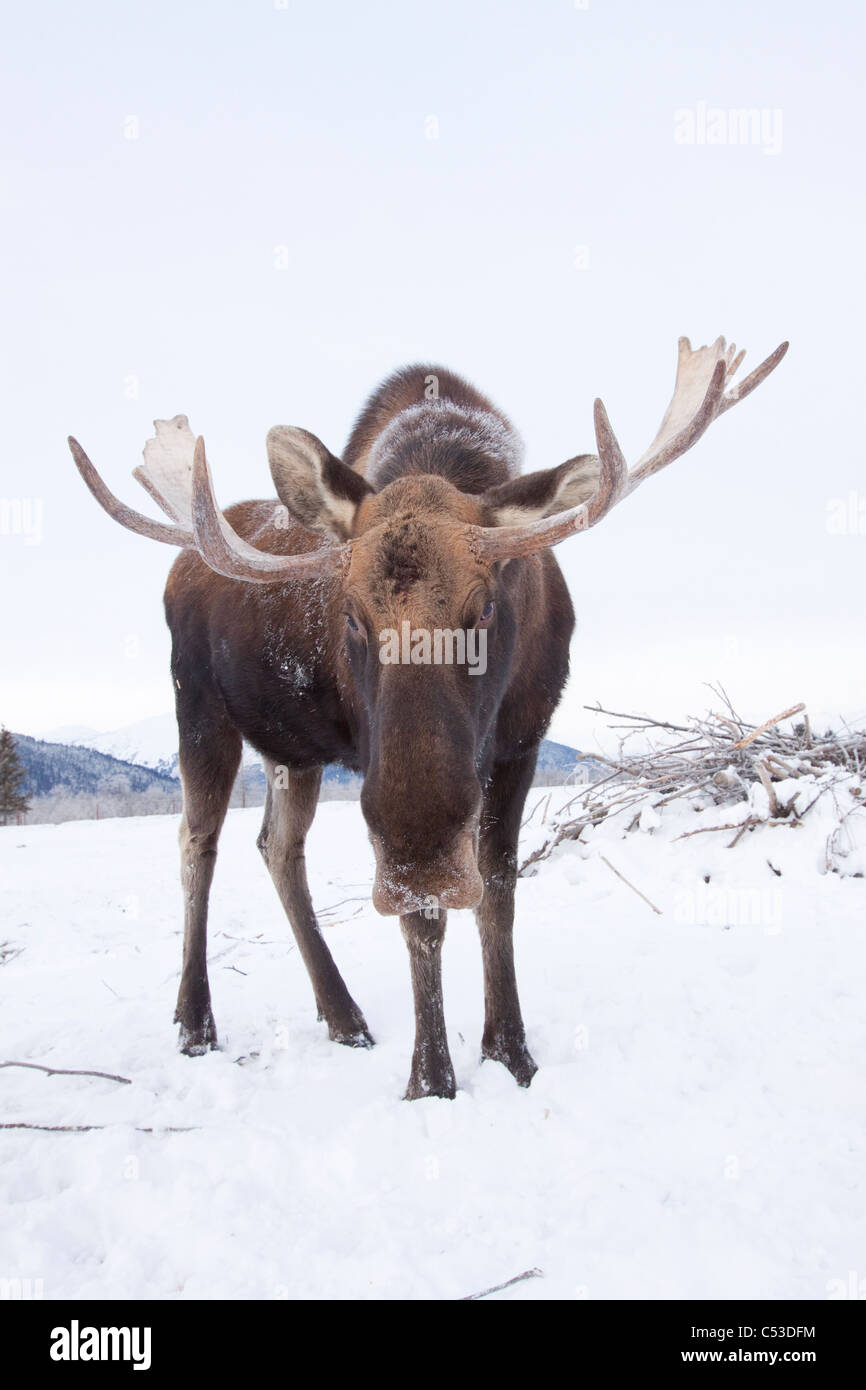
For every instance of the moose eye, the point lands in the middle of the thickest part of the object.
(487, 612)
(351, 624)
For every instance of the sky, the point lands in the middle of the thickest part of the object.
(252, 212)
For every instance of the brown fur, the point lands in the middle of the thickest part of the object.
(447, 756)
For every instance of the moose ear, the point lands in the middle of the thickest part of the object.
(321, 493)
(537, 495)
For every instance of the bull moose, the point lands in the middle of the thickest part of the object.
(276, 611)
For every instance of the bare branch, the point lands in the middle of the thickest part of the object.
(495, 1288)
(66, 1071)
(769, 723)
(87, 1129)
(720, 759)
(655, 909)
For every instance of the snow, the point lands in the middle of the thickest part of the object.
(697, 1127)
(70, 733)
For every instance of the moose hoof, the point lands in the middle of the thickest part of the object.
(197, 1040)
(513, 1055)
(349, 1028)
(425, 1082)
(358, 1037)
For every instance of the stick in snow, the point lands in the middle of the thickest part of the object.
(518, 1278)
(63, 1071)
(86, 1129)
(631, 885)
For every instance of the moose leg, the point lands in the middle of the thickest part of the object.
(504, 1039)
(210, 753)
(290, 805)
(432, 1073)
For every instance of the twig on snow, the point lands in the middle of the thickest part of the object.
(709, 829)
(86, 1129)
(495, 1288)
(67, 1071)
(631, 885)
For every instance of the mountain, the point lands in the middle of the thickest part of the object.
(153, 743)
(148, 742)
(134, 771)
(70, 733)
(558, 762)
(51, 767)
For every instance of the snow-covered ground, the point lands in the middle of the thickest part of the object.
(697, 1127)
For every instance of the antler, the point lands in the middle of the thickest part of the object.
(225, 551)
(132, 520)
(176, 474)
(167, 469)
(699, 398)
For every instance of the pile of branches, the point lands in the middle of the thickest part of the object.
(714, 759)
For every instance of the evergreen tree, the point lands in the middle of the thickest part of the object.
(12, 777)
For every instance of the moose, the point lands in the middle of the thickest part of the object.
(275, 611)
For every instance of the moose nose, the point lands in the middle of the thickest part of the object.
(451, 879)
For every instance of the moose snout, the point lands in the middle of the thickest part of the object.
(449, 879)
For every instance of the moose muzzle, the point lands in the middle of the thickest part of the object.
(448, 879)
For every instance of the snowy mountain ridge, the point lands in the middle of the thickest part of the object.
(152, 742)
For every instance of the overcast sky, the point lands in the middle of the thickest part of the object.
(251, 212)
